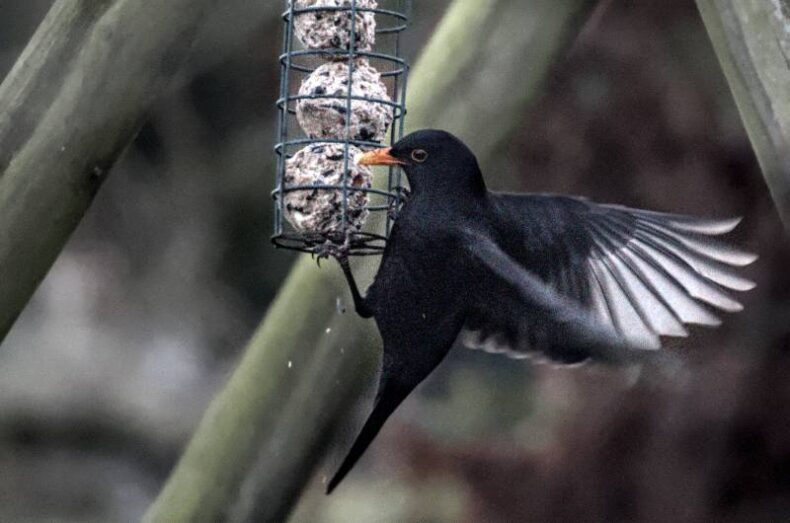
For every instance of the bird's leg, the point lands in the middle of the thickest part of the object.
(360, 304)
(340, 253)
(330, 248)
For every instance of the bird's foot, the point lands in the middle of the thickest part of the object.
(339, 251)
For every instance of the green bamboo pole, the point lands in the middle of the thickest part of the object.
(752, 42)
(76, 98)
(38, 74)
(263, 435)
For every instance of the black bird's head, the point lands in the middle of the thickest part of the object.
(433, 161)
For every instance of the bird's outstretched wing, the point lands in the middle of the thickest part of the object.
(639, 273)
(513, 303)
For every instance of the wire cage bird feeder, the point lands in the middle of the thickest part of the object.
(342, 92)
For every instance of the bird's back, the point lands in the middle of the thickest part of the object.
(541, 231)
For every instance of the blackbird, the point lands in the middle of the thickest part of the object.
(553, 276)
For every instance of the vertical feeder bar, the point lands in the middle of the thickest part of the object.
(400, 124)
(281, 150)
(352, 42)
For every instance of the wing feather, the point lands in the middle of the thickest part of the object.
(556, 326)
(643, 274)
(663, 319)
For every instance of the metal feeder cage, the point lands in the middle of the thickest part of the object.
(297, 61)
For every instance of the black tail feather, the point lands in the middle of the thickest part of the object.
(387, 401)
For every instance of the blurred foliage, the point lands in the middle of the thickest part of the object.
(110, 367)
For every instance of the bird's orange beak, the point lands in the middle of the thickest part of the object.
(379, 157)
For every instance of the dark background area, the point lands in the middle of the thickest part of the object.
(142, 318)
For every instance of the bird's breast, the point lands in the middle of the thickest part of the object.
(417, 282)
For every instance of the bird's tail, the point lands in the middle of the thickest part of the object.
(387, 401)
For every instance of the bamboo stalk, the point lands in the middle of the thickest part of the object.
(752, 42)
(265, 433)
(38, 74)
(69, 107)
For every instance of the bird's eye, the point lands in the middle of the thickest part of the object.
(419, 155)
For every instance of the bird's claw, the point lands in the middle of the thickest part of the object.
(335, 250)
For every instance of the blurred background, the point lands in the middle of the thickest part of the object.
(142, 318)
